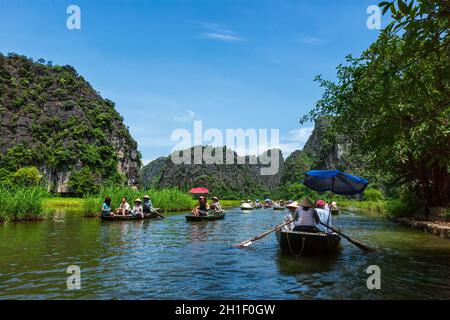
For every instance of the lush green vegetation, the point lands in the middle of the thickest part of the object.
(393, 104)
(55, 202)
(53, 119)
(223, 180)
(21, 203)
(294, 191)
(23, 177)
(169, 200)
(166, 199)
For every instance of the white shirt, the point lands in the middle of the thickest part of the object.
(125, 206)
(325, 217)
(305, 218)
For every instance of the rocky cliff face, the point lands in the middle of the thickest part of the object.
(325, 152)
(319, 152)
(295, 166)
(226, 180)
(53, 119)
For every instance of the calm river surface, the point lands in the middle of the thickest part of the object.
(172, 259)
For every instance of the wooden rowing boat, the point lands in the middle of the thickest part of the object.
(212, 216)
(247, 206)
(307, 244)
(152, 215)
(128, 217)
(279, 208)
(334, 211)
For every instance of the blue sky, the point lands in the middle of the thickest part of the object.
(231, 64)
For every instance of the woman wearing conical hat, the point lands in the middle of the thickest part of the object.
(137, 209)
(306, 217)
(292, 207)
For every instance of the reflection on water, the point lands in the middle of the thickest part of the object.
(173, 259)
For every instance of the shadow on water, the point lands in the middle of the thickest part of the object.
(290, 265)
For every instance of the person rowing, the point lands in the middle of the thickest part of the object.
(202, 208)
(292, 207)
(147, 206)
(324, 215)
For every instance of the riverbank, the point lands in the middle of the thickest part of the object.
(34, 203)
(379, 207)
(434, 225)
(58, 202)
(439, 228)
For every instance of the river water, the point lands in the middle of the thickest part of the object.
(173, 259)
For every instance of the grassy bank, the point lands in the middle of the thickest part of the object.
(57, 202)
(21, 204)
(373, 206)
(166, 199)
(90, 205)
(393, 208)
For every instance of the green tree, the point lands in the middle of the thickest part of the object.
(84, 182)
(26, 177)
(394, 101)
(371, 194)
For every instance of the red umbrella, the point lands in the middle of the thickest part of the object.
(199, 191)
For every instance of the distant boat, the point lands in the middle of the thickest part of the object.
(129, 217)
(278, 207)
(212, 216)
(246, 206)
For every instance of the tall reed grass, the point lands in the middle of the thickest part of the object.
(166, 199)
(21, 203)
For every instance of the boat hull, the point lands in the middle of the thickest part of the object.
(307, 244)
(128, 217)
(211, 217)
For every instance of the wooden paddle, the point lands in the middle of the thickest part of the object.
(360, 245)
(251, 241)
(157, 212)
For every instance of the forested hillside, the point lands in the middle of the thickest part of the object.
(52, 118)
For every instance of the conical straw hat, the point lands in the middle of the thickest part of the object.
(292, 205)
(307, 203)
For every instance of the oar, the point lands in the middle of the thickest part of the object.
(251, 241)
(360, 245)
(159, 215)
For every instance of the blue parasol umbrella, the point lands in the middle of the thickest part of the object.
(335, 181)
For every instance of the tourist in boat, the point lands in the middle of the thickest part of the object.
(292, 207)
(138, 211)
(202, 208)
(215, 205)
(147, 205)
(324, 215)
(106, 207)
(124, 208)
(333, 206)
(306, 217)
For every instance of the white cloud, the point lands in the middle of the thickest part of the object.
(188, 115)
(217, 32)
(310, 41)
(221, 37)
(295, 140)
